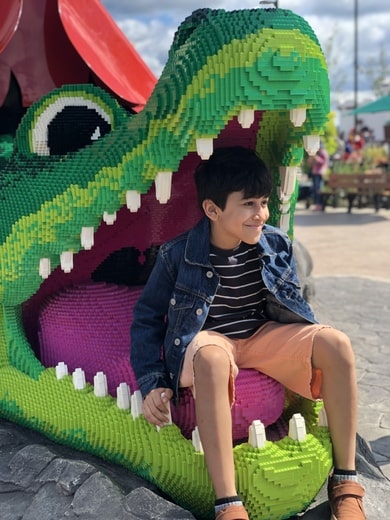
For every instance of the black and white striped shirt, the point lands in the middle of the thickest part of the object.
(237, 309)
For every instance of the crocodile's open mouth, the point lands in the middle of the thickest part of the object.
(122, 249)
(92, 191)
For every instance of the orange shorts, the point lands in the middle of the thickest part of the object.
(279, 350)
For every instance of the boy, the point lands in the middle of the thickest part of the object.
(224, 296)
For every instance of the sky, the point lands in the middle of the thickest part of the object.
(150, 26)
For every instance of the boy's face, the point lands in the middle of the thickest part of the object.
(242, 220)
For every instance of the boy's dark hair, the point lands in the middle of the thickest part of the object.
(232, 169)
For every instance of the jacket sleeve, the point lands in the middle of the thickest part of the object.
(148, 330)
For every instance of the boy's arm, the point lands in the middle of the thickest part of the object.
(148, 330)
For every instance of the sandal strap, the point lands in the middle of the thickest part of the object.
(232, 513)
(348, 489)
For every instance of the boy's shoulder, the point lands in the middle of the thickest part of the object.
(274, 231)
(274, 239)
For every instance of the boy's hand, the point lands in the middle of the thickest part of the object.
(155, 406)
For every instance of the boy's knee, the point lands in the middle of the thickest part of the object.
(211, 358)
(334, 337)
(335, 345)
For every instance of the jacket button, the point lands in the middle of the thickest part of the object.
(199, 312)
(209, 274)
(177, 341)
(172, 301)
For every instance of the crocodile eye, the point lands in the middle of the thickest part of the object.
(69, 125)
(67, 120)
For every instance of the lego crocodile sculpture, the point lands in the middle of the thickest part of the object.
(90, 188)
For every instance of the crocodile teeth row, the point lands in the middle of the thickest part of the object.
(163, 186)
(246, 117)
(205, 145)
(133, 402)
(296, 431)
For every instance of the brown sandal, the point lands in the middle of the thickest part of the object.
(346, 500)
(232, 513)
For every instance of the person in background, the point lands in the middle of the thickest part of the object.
(319, 164)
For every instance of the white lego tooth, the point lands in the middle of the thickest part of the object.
(204, 147)
(163, 184)
(246, 118)
(67, 261)
(133, 200)
(297, 427)
(44, 268)
(87, 237)
(136, 404)
(288, 178)
(298, 116)
(61, 370)
(123, 396)
(284, 222)
(100, 384)
(78, 378)
(284, 207)
(311, 143)
(322, 418)
(257, 436)
(108, 218)
(283, 197)
(196, 441)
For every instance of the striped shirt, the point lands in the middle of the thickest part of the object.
(237, 309)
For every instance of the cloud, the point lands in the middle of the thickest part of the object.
(151, 38)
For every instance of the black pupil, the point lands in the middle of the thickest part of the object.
(72, 129)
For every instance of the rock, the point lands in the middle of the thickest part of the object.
(41, 480)
(304, 268)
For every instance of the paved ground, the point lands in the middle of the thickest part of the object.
(351, 259)
(342, 244)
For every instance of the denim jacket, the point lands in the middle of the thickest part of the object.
(175, 301)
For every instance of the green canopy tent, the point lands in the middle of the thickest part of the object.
(379, 105)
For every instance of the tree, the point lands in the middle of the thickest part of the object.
(378, 71)
(336, 72)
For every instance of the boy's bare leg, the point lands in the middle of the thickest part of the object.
(333, 354)
(212, 372)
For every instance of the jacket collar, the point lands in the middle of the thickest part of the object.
(198, 243)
